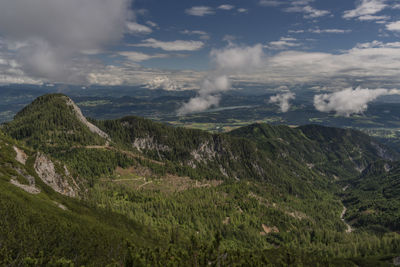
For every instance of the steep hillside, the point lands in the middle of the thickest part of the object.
(42, 222)
(374, 198)
(53, 122)
(135, 192)
(338, 153)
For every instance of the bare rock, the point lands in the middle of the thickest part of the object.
(92, 127)
(45, 169)
(21, 157)
(32, 189)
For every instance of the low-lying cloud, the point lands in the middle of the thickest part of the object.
(228, 61)
(349, 101)
(283, 100)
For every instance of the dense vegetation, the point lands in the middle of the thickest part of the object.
(49, 124)
(374, 198)
(156, 195)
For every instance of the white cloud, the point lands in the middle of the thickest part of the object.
(228, 61)
(200, 103)
(242, 10)
(373, 65)
(296, 31)
(178, 45)
(282, 100)
(234, 58)
(139, 56)
(319, 31)
(283, 43)
(200, 11)
(349, 101)
(164, 83)
(226, 7)
(373, 17)
(365, 8)
(152, 24)
(297, 6)
(55, 33)
(133, 74)
(202, 34)
(393, 26)
(302, 6)
(378, 44)
(270, 3)
(136, 28)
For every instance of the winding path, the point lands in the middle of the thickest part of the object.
(349, 228)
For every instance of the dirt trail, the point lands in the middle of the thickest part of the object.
(349, 228)
(128, 153)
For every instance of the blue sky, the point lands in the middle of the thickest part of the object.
(346, 51)
(318, 25)
(177, 45)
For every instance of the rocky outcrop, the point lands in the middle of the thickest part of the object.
(46, 171)
(30, 187)
(268, 230)
(92, 127)
(148, 143)
(205, 152)
(21, 157)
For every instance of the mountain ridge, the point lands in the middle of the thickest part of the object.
(258, 190)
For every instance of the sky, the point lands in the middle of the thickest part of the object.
(206, 45)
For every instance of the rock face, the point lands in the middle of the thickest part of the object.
(92, 128)
(45, 169)
(21, 157)
(148, 143)
(32, 189)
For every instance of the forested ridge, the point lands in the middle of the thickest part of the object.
(151, 194)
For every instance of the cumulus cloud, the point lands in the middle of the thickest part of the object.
(302, 6)
(373, 17)
(236, 58)
(297, 6)
(375, 64)
(164, 83)
(393, 26)
(178, 45)
(226, 7)
(136, 28)
(200, 103)
(55, 33)
(202, 34)
(349, 101)
(365, 8)
(283, 43)
(228, 61)
(133, 74)
(319, 31)
(282, 100)
(200, 11)
(139, 56)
